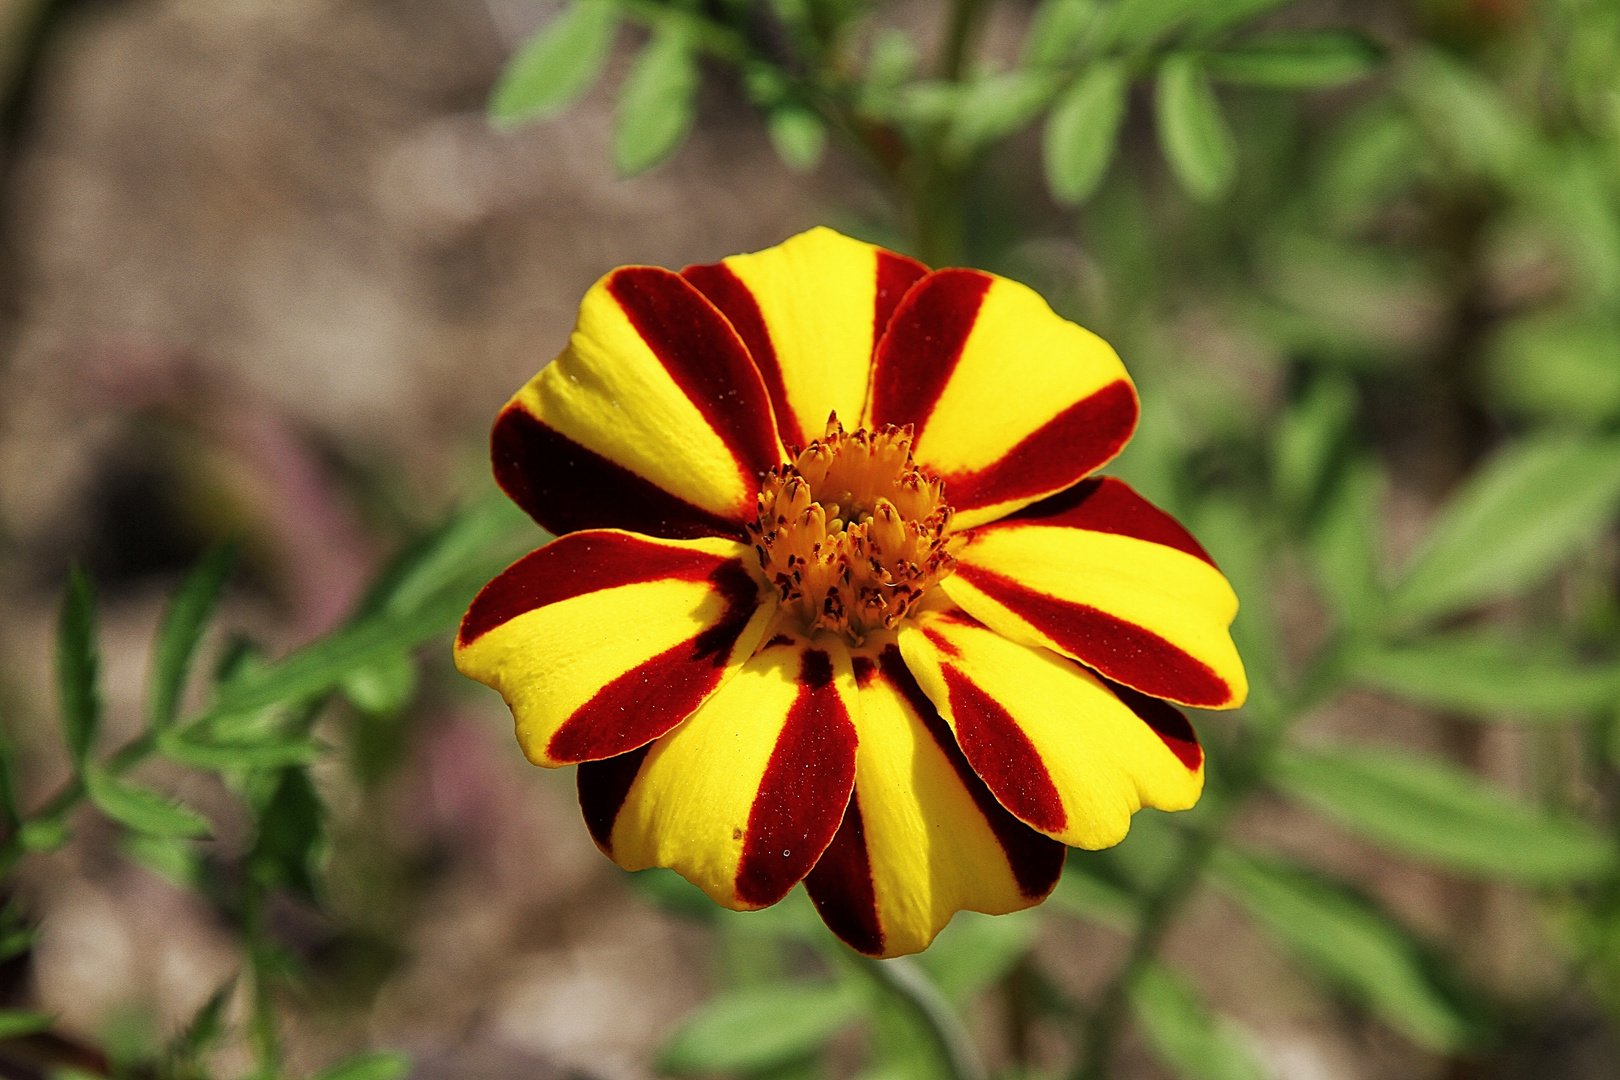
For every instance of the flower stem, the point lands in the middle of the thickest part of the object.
(905, 981)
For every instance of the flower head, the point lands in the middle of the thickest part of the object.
(833, 599)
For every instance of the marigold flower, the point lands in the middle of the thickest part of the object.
(905, 663)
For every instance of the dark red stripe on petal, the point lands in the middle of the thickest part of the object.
(865, 668)
(841, 887)
(1036, 860)
(1121, 650)
(707, 360)
(1169, 723)
(915, 359)
(1002, 754)
(727, 292)
(566, 487)
(654, 696)
(585, 562)
(895, 275)
(603, 787)
(1077, 441)
(805, 789)
(1108, 505)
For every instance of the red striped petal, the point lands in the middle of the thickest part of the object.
(1107, 505)
(924, 341)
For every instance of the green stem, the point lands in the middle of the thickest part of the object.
(905, 981)
(965, 19)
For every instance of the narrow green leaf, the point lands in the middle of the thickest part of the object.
(1082, 130)
(15, 1022)
(201, 752)
(1307, 438)
(15, 942)
(657, 104)
(1531, 506)
(1185, 1035)
(1345, 547)
(754, 1029)
(1134, 24)
(77, 664)
(386, 1065)
(993, 107)
(384, 687)
(206, 1027)
(1318, 58)
(1215, 16)
(1463, 112)
(557, 65)
(287, 846)
(1355, 947)
(1444, 814)
(1487, 675)
(799, 137)
(1056, 32)
(1560, 366)
(141, 808)
(182, 628)
(1367, 161)
(44, 835)
(974, 951)
(1192, 130)
(1237, 537)
(170, 858)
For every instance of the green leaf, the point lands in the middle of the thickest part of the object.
(386, 1065)
(657, 103)
(182, 628)
(172, 859)
(1082, 129)
(1368, 161)
(1308, 60)
(199, 751)
(993, 107)
(289, 835)
(1557, 366)
(754, 1029)
(1185, 1035)
(974, 951)
(1085, 892)
(44, 835)
(1215, 16)
(1307, 438)
(1530, 507)
(1192, 130)
(1345, 548)
(206, 1027)
(1465, 114)
(77, 676)
(1354, 946)
(1133, 24)
(141, 808)
(15, 1022)
(556, 66)
(1056, 32)
(799, 137)
(1444, 814)
(384, 687)
(1242, 547)
(1485, 674)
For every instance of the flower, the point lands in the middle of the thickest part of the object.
(905, 663)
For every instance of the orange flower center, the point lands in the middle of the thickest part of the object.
(852, 533)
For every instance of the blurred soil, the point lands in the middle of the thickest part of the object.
(272, 273)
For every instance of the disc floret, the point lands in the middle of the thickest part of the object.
(851, 532)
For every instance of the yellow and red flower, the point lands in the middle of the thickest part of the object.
(904, 664)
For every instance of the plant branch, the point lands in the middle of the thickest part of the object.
(912, 987)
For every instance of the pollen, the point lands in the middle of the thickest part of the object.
(852, 533)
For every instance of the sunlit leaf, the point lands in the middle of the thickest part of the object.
(994, 107)
(1557, 366)
(1192, 129)
(1290, 60)
(169, 857)
(77, 667)
(1056, 31)
(1356, 947)
(1531, 506)
(384, 687)
(557, 65)
(386, 1065)
(760, 1027)
(184, 621)
(141, 808)
(657, 103)
(1185, 1035)
(1129, 24)
(1082, 130)
(1463, 112)
(799, 136)
(1444, 814)
(1489, 675)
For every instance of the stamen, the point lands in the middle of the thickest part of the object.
(852, 533)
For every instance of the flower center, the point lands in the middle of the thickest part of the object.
(851, 533)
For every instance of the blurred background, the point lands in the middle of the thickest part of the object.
(269, 271)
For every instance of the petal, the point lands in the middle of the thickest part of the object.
(1056, 745)
(601, 641)
(743, 798)
(1101, 575)
(653, 418)
(922, 837)
(1010, 401)
(811, 310)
